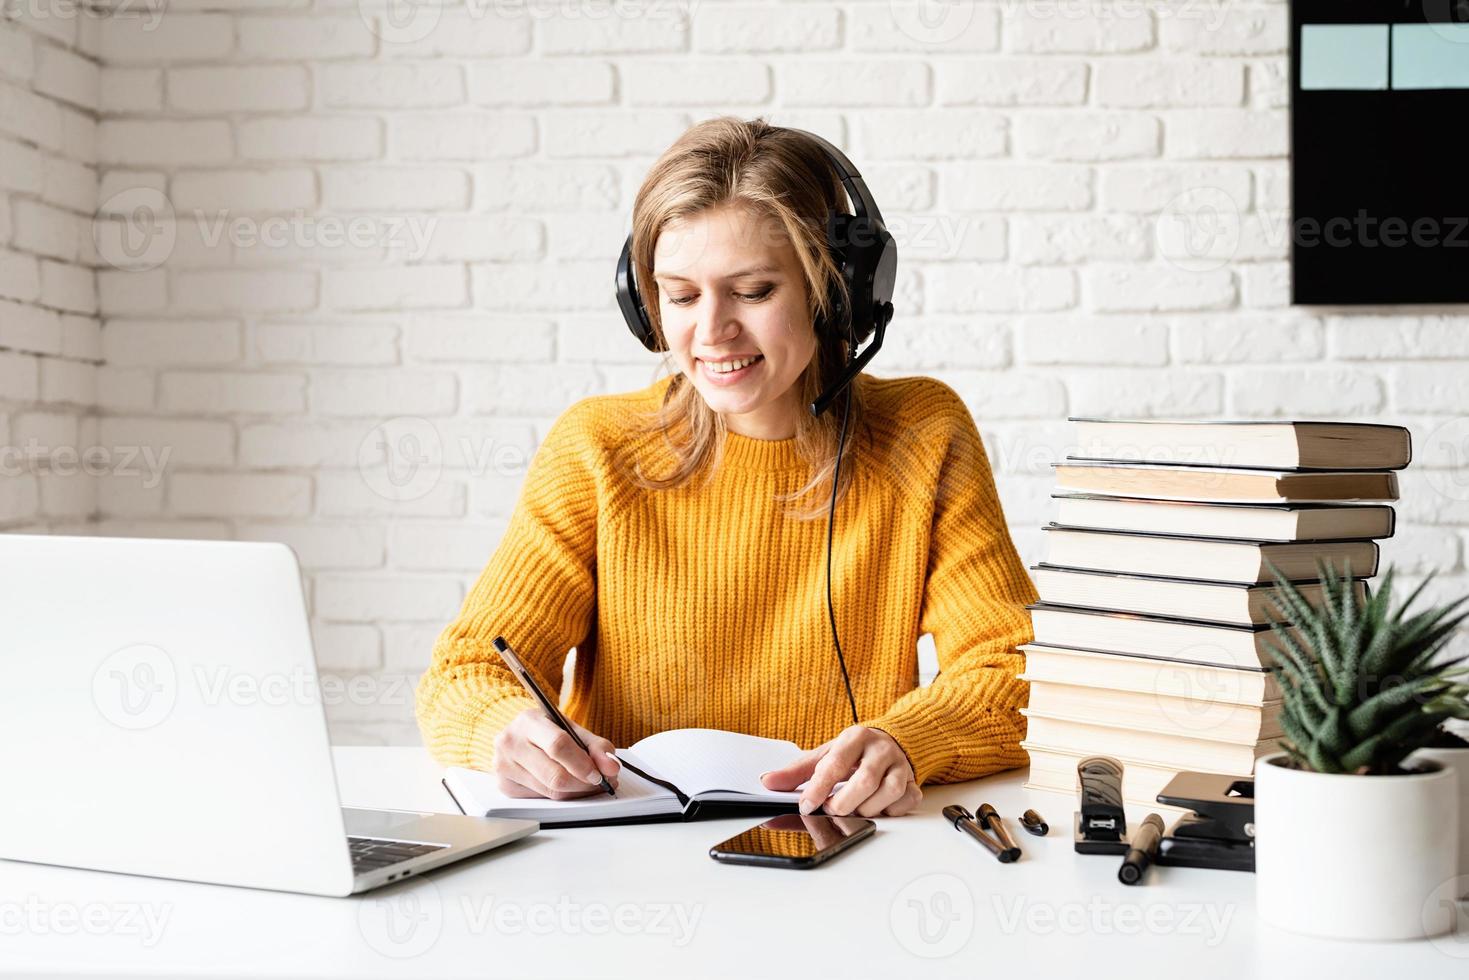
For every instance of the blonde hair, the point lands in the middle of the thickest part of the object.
(771, 172)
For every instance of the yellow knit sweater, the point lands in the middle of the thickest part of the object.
(703, 606)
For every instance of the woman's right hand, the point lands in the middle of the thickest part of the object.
(533, 758)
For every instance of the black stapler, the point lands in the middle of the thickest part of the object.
(1101, 825)
(1220, 832)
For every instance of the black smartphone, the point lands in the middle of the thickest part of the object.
(794, 841)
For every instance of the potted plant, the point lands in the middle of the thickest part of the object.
(1350, 842)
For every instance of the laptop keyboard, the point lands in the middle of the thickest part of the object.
(372, 853)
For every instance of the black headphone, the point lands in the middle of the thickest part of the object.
(867, 257)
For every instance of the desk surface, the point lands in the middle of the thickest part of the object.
(646, 901)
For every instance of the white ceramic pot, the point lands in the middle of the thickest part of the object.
(1459, 760)
(1355, 857)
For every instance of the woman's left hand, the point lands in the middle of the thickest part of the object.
(879, 780)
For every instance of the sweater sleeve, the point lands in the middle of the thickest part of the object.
(966, 723)
(538, 590)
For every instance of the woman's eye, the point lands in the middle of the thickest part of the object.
(751, 297)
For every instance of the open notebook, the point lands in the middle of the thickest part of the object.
(675, 775)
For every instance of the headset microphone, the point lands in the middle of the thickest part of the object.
(867, 258)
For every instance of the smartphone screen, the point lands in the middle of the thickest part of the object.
(793, 840)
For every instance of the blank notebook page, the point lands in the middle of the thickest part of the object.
(703, 760)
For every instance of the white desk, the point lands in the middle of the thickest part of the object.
(646, 901)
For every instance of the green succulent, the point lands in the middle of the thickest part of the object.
(1360, 687)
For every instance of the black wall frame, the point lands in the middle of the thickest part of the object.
(1379, 177)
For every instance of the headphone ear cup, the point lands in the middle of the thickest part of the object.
(630, 301)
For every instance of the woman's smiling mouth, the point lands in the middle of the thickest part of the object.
(725, 372)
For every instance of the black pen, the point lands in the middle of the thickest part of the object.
(963, 820)
(1144, 849)
(990, 820)
(512, 660)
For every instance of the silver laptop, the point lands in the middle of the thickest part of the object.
(161, 714)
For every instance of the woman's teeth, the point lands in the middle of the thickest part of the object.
(729, 366)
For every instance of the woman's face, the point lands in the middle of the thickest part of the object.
(730, 287)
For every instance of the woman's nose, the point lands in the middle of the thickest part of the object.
(716, 322)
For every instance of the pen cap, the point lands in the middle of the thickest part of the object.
(954, 812)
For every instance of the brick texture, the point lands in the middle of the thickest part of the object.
(349, 267)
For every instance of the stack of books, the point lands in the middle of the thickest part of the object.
(1152, 633)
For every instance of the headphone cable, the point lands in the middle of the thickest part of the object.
(830, 518)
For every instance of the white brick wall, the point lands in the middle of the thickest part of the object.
(363, 243)
(49, 328)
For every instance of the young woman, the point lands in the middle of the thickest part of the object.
(675, 536)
